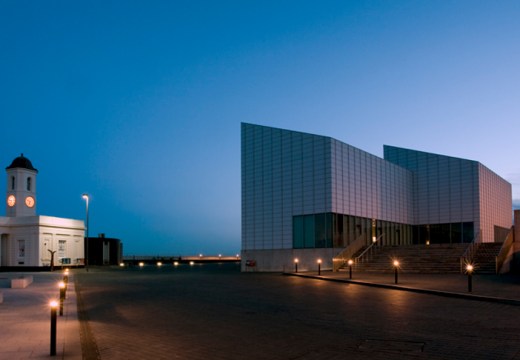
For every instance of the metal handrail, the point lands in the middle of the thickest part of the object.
(348, 252)
(504, 252)
(369, 248)
(469, 254)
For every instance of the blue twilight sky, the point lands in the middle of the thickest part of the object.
(139, 103)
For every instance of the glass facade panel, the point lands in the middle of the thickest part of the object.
(298, 232)
(452, 233)
(309, 232)
(467, 232)
(327, 230)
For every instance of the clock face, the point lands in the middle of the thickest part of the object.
(29, 201)
(11, 200)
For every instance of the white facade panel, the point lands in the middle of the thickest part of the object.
(287, 174)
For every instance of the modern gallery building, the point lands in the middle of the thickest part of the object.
(30, 240)
(308, 196)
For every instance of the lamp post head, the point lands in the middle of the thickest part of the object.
(296, 260)
(61, 285)
(469, 268)
(53, 304)
(350, 262)
(319, 261)
(396, 263)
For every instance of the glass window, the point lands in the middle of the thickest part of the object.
(298, 232)
(13, 181)
(328, 230)
(62, 248)
(21, 248)
(320, 230)
(309, 231)
(28, 184)
(467, 232)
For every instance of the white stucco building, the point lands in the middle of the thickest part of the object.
(28, 239)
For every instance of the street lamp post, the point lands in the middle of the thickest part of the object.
(86, 198)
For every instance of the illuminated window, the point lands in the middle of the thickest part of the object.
(62, 248)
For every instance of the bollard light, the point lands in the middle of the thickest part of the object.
(122, 264)
(350, 263)
(66, 278)
(53, 305)
(159, 264)
(296, 265)
(141, 264)
(469, 271)
(319, 267)
(176, 263)
(192, 263)
(61, 285)
(396, 267)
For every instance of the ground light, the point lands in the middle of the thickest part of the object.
(296, 265)
(66, 278)
(469, 271)
(319, 267)
(350, 263)
(53, 305)
(396, 268)
(61, 285)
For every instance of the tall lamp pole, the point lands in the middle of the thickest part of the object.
(86, 198)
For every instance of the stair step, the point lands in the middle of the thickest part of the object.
(438, 258)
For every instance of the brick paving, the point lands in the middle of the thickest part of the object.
(216, 312)
(25, 319)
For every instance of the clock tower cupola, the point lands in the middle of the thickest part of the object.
(21, 188)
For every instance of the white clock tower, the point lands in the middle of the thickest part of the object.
(21, 188)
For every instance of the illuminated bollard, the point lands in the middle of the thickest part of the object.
(296, 265)
(396, 267)
(53, 304)
(62, 296)
(469, 271)
(319, 267)
(350, 263)
(66, 278)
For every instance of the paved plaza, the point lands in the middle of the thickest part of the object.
(213, 311)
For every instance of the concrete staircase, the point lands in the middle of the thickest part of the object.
(485, 258)
(432, 259)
